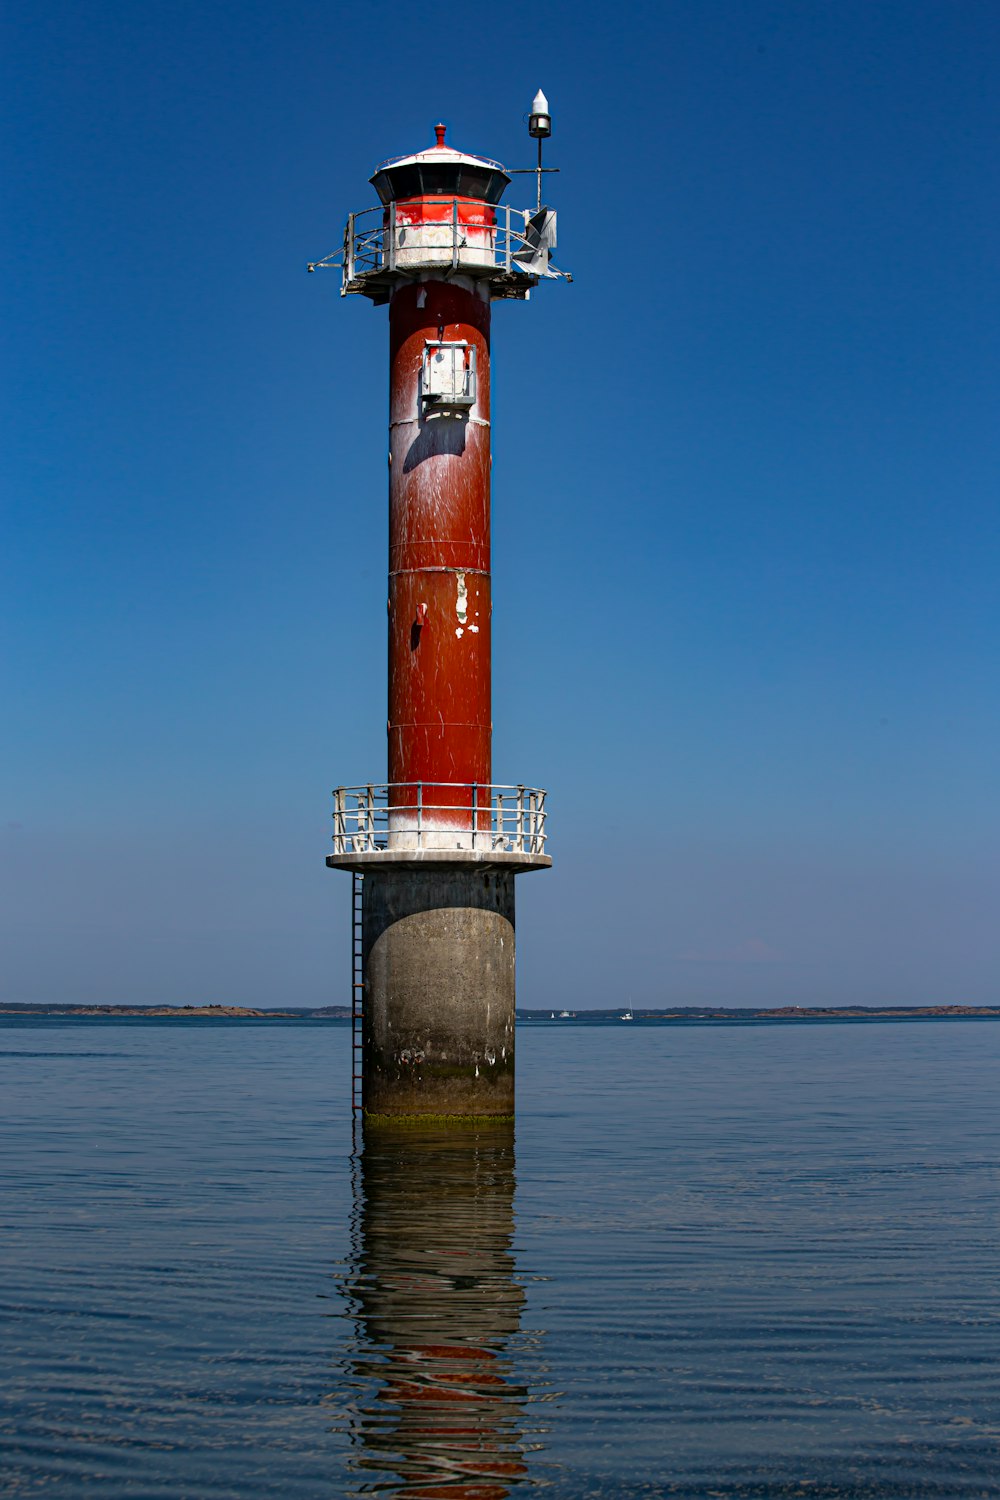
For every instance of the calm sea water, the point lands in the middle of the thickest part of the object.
(713, 1261)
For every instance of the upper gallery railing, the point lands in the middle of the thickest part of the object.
(418, 815)
(458, 233)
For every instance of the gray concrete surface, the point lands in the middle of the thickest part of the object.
(439, 998)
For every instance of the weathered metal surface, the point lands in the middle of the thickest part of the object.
(447, 378)
(439, 555)
(455, 232)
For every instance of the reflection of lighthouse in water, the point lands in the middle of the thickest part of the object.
(437, 1306)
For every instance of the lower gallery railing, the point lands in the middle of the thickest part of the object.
(415, 815)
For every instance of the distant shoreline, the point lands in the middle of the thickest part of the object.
(680, 1013)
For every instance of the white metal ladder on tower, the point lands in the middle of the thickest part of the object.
(357, 991)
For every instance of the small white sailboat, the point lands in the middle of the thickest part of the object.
(627, 1013)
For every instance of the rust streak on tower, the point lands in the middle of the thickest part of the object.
(436, 847)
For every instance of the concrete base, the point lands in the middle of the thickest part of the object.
(438, 946)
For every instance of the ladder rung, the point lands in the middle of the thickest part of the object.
(357, 992)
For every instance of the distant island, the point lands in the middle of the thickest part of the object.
(684, 1013)
(183, 1012)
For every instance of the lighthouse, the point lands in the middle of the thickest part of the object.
(435, 848)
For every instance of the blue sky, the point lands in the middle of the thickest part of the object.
(745, 484)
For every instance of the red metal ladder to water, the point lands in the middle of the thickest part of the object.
(357, 991)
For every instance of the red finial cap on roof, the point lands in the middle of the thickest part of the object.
(439, 131)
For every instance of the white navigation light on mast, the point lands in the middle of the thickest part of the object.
(540, 121)
(539, 128)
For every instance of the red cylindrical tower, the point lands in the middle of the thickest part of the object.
(439, 232)
(438, 845)
(439, 548)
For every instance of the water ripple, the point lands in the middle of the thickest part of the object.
(714, 1263)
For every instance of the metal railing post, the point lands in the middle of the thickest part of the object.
(475, 813)
(420, 815)
(349, 250)
(392, 236)
(454, 233)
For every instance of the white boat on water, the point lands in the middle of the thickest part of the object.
(627, 1015)
(564, 1015)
